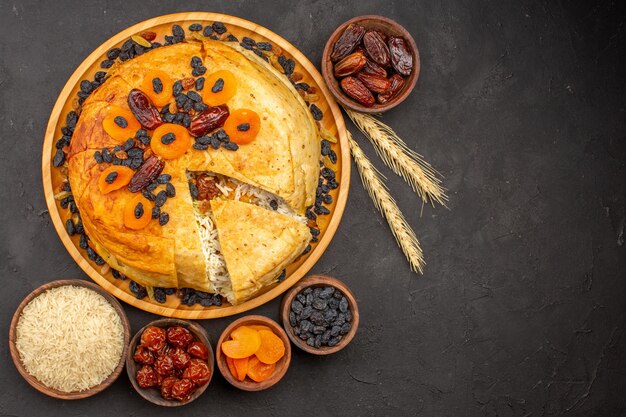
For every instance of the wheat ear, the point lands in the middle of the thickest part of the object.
(407, 163)
(384, 202)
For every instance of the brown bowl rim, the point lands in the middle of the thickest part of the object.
(317, 280)
(41, 387)
(246, 385)
(198, 331)
(333, 84)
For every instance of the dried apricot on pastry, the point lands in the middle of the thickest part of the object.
(114, 177)
(272, 347)
(157, 85)
(259, 371)
(241, 367)
(219, 87)
(170, 141)
(242, 126)
(245, 342)
(120, 123)
(137, 212)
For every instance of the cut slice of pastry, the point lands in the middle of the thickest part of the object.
(256, 244)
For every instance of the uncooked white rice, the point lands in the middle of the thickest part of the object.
(70, 338)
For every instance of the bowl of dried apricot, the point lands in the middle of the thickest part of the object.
(253, 353)
(370, 64)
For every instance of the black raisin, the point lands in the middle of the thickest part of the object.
(91, 254)
(85, 86)
(231, 38)
(292, 318)
(111, 177)
(302, 86)
(306, 312)
(164, 178)
(148, 195)
(98, 157)
(200, 147)
(170, 190)
(195, 61)
(99, 76)
(126, 146)
(177, 88)
(327, 199)
(83, 241)
(107, 63)
(193, 190)
(161, 198)
(343, 304)
(59, 158)
(243, 127)
(198, 71)
(194, 96)
(164, 218)
(137, 290)
(264, 46)
(159, 295)
(199, 83)
(168, 138)
(195, 27)
(219, 28)
(218, 86)
(274, 205)
(204, 140)
(139, 210)
(69, 226)
(157, 85)
(208, 30)
(156, 212)
(296, 307)
(319, 304)
(231, 146)
(316, 112)
(178, 31)
(215, 142)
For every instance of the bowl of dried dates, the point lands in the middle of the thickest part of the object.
(170, 362)
(370, 64)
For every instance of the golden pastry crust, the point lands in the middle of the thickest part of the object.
(283, 159)
(256, 244)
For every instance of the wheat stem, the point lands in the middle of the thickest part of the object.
(394, 152)
(384, 202)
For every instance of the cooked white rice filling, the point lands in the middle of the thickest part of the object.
(217, 270)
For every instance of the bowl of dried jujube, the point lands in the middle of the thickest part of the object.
(371, 64)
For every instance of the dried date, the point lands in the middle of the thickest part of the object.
(143, 109)
(198, 350)
(401, 57)
(179, 336)
(397, 82)
(349, 39)
(207, 190)
(210, 119)
(143, 355)
(350, 64)
(374, 83)
(354, 88)
(376, 48)
(147, 377)
(164, 365)
(180, 358)
(153, 338)
(198, 371)
(183, 389)
(166, 387)
(147, 172)
(373, 68)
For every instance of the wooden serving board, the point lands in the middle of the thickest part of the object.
(332, 121)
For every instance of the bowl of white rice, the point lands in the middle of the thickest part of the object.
(69, 338)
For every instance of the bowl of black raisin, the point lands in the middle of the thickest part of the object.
(320, 315)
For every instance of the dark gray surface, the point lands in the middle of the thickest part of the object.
(521, 309)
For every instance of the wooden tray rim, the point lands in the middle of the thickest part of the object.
(196, 314)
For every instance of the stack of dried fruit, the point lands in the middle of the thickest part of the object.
(369, 62)
(253, 351)
(173, 361)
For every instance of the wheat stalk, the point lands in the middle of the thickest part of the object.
(407, 163)
(384, 202)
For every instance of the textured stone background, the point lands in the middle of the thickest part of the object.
(521, 310)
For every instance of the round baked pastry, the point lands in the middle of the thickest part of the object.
(192, 166)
